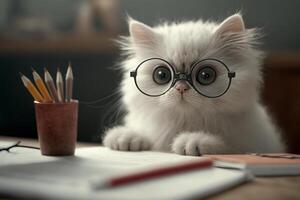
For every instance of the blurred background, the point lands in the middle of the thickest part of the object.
(50, 33)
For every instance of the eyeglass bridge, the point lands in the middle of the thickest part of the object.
(182, 76)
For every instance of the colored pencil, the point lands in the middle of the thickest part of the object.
(201, 163)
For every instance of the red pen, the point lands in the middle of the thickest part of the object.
(154, 173)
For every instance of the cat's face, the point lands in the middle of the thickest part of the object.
(181, 46)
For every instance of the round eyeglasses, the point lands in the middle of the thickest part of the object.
(156, 76)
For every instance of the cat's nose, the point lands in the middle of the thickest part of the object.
(182, 86)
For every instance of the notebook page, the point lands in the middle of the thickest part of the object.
(33, 175)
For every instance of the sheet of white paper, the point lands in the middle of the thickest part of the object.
(26, 173)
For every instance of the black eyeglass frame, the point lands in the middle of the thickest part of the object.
(177, 76)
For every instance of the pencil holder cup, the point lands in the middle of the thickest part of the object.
(57, 127)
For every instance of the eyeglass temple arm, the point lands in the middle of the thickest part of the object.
(231, 74)
(132, 74)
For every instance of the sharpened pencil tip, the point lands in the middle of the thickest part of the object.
(21, 74)
(32, 69)
(69, 72)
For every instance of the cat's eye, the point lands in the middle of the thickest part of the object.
(161, 75)
(206, 75)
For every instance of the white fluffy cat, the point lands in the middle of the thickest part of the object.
(184, 121)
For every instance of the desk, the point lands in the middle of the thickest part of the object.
(275, 188)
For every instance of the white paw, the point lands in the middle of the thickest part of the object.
(184, 144)
(196, 144)
(124, 139)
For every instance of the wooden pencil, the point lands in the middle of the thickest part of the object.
(60, 86)
(41, 86)
(50, 84)
(31, 88)
(69, 83)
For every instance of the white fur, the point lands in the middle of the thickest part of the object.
(233, 123)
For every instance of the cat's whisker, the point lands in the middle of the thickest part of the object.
(100, 99)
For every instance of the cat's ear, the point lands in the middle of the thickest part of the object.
(141, 33)
(232, 38)
(232, 24)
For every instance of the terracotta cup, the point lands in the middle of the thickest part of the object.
(57, 127)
